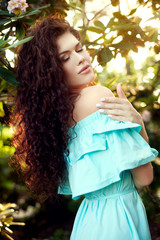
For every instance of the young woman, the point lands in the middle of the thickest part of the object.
(65, 144)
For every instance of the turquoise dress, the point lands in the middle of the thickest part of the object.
(102, 152)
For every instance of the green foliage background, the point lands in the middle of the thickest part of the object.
(121, 34)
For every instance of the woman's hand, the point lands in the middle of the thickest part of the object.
(119, 108)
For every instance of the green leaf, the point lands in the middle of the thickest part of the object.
(126, 26)
(35, 11)
(123, 45)
(137, 20)
(106, 54)
(132, 11)
(3, 42)
(17, 18)
(32, 12)
(110, 82)
(132, 98)
(29, 21)
(93, 52)
(3, 21)
(157, 49)
(156, 15)
(20, 32)
(95, 29)
(8, 76)
(32, 1)
(19, 43)
(110, 23)
(99, 24)
(154, 36)
(9, 185)
(6, 13)
(94, 43)
(2, 87)
(118, 15)
(7, 34)
(135, 49)
(45, 6)
(114, 2)
(1, 110)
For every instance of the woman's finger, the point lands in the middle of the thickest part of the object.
(119, 118)
(116, 112)
(113, 106)
(114, 100)
(120, 91)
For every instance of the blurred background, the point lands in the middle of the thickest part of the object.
(123, 39)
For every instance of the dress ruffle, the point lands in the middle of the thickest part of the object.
(100, 151)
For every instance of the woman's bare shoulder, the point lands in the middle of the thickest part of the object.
(89, 97)
(98, 90)
(95, 93)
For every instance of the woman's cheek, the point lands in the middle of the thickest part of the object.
(88, 57)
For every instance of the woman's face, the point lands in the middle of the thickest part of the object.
(76, 62)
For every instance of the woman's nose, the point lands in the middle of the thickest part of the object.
(79, 58)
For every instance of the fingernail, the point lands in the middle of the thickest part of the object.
(103, 99)
(98, 105)
(101, 110)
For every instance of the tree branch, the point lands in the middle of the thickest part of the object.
(84, 18)
(100, 11)
(75, 8)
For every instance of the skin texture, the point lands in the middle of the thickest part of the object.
(119, 108)
(52, 95)
(74, 58)
(143, 175)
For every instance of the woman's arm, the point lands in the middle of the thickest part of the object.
(119, 108)
(143, 175)
(122, 110)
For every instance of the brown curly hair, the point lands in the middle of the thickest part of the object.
(43, 109)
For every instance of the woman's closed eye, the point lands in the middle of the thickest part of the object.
(80, 49)
(65, 59)
(66, 56)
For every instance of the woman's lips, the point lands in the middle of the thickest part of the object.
(85, 70)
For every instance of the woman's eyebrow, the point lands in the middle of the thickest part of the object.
(66, 51)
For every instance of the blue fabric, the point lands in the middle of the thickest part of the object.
(101, 153)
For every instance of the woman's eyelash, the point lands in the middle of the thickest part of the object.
(80, 49)
(65, 59)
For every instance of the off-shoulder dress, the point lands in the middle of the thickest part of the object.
(102, 152)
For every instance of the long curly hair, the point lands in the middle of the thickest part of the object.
(43, 109)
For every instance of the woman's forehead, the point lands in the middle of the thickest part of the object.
(66, 42)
